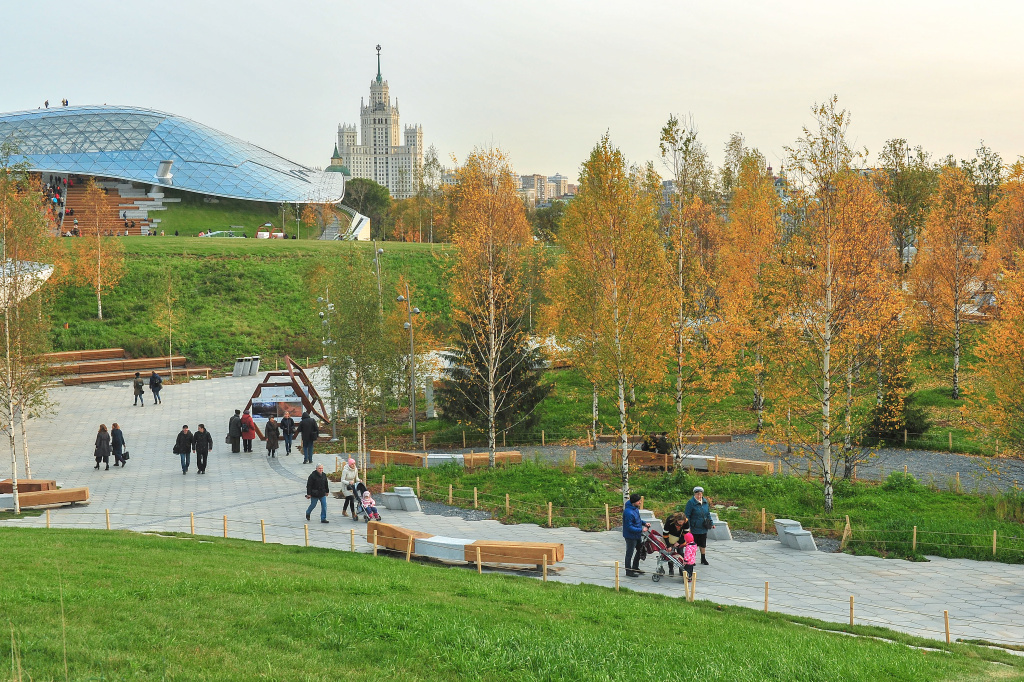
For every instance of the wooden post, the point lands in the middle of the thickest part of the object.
(108, 519)
(881, 472)
(417, 486)
(904, 436)
(352, 539)
(449, 493)
(408, 549)
(306, 528)
(766, 596)
(424, 442)
(474, 498)
(344, 444)
(854, 472)
(382, 483)
(616, 576)
(192, 523)
(641, 502)
(542, 437)
(851, 610)
(993, 543)
(463, 440)
(47, 518)
(847, 532)
(763, 516)
(263, 531)
(573, 459)
(545, 566)
(508, 509)
(945, 617)
(958, 481)
(374, 542)
(502, 439)
(951, 441)
(607, 518)
(479, 566)
(913, 542)
(385, 450)
(549, 515)
(693, 587)
(716, 462)
(225, 525)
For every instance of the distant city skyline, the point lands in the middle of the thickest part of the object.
(940, 74)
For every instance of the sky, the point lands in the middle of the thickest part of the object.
(541, 80)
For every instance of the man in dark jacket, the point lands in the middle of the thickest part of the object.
(155, 384)
(632, 526)
(309, 432)
(287, 432)
(137, 388)
(202, 443)
(235, 431)
(316, 491)
(183, 448)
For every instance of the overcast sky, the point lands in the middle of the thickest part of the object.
(542, 80)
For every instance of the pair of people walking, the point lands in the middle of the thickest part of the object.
(108, 442)
(139, 387)
(241, 428)
(187, 442)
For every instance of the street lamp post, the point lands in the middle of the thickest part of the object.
(412, 359)
(326, 308)
(377, 253)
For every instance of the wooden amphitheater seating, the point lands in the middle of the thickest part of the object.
(26, 485)
(43, 498)
(85, 355)
(110, 219)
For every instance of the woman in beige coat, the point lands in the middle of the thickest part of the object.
(349, 477)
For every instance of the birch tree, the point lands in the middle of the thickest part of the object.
(487, 276)
(99, 260)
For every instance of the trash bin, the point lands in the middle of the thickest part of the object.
(237, 371)
(255, 367)
(246, 365)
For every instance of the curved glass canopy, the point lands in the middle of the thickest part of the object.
(135, 144)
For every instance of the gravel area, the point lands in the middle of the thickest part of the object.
(440, 509)
(830, 545)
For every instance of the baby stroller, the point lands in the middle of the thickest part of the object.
(654, 543)
(360, 511)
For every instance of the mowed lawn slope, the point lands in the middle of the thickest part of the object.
(145, 607)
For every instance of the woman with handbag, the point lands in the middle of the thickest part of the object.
(248, 431)
(698, 510)
(102, 450)
(117, 443)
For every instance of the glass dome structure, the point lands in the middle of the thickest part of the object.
(135, 144)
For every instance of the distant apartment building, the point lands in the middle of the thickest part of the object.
(559, 186)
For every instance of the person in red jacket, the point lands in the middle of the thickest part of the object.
(248, 431)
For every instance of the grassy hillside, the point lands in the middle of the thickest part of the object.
(148, 607)
(193, 214)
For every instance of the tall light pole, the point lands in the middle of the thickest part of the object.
(377, 253)
(412, 359)
(326, 308)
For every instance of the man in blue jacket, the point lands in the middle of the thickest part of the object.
(632, 526)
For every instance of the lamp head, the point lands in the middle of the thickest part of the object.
(401, 298)
(406, 325)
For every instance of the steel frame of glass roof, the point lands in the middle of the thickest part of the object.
(129, 143)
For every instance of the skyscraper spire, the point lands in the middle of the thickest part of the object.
(378, 64)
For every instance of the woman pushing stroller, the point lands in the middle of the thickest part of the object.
(349, 478)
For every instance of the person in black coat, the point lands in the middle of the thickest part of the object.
(316, 491)
(183, 448)
(235, 431)
(117, 443)
(155, 384)
(287, 432)
(102, 451)
(273, 434)
(309, 432)
(202, 443)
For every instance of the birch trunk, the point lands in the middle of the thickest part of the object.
(956, 351)
(593, 417)
(24, 440)
(826, 388)
(10, 405)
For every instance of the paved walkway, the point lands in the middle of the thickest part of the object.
(985, 599)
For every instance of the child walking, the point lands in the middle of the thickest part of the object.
(689, 556)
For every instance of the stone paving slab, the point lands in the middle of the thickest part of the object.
(985, 599)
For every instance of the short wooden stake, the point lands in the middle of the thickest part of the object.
(385, 450)
(641, 502)
(408, 549)
(374, 542)
(993, 543)
(854, 472)
(352, 539)
(474, 498)
(945, 617)
(766, 596)
(904, 436)
(382, 483)
(463, 440)
(225, 526)
(847, 532)
(424, 442)
(958, 481)
(306, 528)
(508, 508)
(573, 459)
(607, 518)
(716, 462)
(263, 531)
(502, 439)
(108, 519)
(851, 610)
(763, 518)
(479, 566)
(545, 566)
(913, 541)
(881, 472)
(951, 441)
(542, 437)
(904, 469)
(192, 523)
(549, 515)
(616, 576)
(449, 493)
(693, 586)
(47, 518)
(417, 486)
(344, 444)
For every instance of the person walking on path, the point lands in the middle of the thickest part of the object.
(117, 443)
(288, 431)
(102, 451)
(138, 385)
(235, 430)
(272, 432)
(248, 431)
(309, 432)
(183, 448)
(349, 478)
(698, 510)
(155, 384)
(677, 526)
(316, 491)
(202, 443)
(632, 527)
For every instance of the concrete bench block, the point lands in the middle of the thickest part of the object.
(800, 540)
(389, 500)
(409, 503)
(782, 524)
(647, 516)
(443, 548)
(403, 490)
(721, 530)
(7, 501)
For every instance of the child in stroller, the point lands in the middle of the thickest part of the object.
(654, 543)
(369, 508)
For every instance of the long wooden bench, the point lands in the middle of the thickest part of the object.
(481, 459)
(27, 485)
(84, 355)
(79, 379)
(642, 458)
(722, 465)
(393, 537)
(44, 498)
(510, 552)
(121, 365)
(386, 457)
(688, 438)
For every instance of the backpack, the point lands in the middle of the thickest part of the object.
(690, 553)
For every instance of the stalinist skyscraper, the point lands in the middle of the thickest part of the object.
(379, 155)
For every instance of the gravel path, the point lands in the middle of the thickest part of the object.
(440, 509)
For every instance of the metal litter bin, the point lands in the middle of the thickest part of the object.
(237, 371)
(246, 366)
(255, 367)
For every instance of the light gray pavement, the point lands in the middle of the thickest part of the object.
(985, 599)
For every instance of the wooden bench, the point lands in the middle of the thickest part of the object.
(44, 498)
(26, 485)
(385, 457)
(82, 355)
(393, 537)
(643, 458)
(510, 552)
(480, 459)
(688, 438)
(728, 465)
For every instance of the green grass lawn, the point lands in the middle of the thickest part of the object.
(143, 607)
(193, 215)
